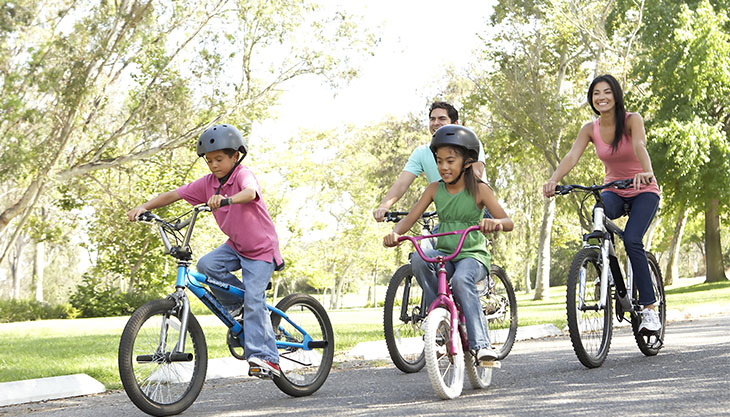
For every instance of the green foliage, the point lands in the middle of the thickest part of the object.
(94, 298)
(25, 310)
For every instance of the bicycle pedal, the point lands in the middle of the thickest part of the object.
(259, 372)
(490, 364)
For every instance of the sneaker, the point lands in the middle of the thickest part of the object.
(263, 368)
(234, 309)
(487, 354)
(649, 321)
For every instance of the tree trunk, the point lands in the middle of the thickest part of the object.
(713, 247)
(650, 234)
(673, 262)
(528, 269)
(542, 285)
(15, 262)
(39, 265)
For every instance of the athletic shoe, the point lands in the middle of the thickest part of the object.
(487, 354)
(263, 368)
(649, 321)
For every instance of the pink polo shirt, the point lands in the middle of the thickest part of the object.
(249, 227)
(622, 164)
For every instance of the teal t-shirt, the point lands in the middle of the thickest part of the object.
(422, 161)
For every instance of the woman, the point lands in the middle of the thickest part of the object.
(620, 142)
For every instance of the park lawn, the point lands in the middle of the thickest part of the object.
(47, 348)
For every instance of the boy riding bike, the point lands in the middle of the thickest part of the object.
(460, 200)
(234, 195)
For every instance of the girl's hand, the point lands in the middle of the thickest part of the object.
(548, 190)
(391, 240)
(490, 225)
(642, 178)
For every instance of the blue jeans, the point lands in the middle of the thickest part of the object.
(464, 275)
(258, 334)
(643, 209)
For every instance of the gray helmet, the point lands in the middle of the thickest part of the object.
(220, 137)
(456, 135)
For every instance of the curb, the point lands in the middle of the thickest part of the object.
(29, 390)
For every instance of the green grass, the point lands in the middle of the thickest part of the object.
(46, 348)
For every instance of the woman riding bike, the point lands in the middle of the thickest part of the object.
(620, 141)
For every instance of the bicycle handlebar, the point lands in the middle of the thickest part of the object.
(415, 239)
(620, 184)
(181, 251)
(396, 216)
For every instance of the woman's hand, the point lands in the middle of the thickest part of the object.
(391, 240)
(548, 190)
(490, 225)
(642, 178)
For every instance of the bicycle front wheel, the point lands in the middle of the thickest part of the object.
(402, 320)
(303, 371)
(500, 308)
(157, 381)
(445, 371)
(589, 324)
(650, 343)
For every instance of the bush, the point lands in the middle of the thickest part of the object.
(94, 299)
(25, 310)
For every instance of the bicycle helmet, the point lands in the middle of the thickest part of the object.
(220, 137)
(456, 135)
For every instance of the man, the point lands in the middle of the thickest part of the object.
(422, 160)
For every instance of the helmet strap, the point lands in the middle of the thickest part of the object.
(228, 175)
(463, 168)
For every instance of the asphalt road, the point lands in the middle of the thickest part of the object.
(689, 377)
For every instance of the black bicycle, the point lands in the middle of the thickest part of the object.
(405, 308)
(595, 276)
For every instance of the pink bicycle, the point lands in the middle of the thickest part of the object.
(446, 348)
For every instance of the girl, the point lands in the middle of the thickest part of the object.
(620, 142)
(460, 200)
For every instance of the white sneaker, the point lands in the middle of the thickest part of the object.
(649, 321)
(487, 354)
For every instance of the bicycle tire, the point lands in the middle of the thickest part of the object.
(590, 330)
(480, 377)
(303, 371)
(650, 344)
(155, 384)
(404, 339)
(499, 304)
(445, 371)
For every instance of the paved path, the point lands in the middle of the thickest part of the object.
(539, 378)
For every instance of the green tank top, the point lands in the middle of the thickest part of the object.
(459, 211)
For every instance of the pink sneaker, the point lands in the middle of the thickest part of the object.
(263, 368)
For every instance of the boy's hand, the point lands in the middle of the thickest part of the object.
(490, 225)
(391, 240)
(214, 202)
(135, 212)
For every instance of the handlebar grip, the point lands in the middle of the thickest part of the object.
(145, 217)
(226, 202)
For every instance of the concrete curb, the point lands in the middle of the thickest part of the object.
(29, 390)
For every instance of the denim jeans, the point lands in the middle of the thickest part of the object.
(258, 335)
(464, 275)
(643, 209)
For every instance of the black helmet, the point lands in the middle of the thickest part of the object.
(220, 137)
(456, 135)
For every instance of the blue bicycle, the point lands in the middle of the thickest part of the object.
(163, 356)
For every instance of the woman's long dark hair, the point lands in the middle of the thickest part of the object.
(619, 108)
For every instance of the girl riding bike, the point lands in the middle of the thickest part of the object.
(620, 142)
(460, 200)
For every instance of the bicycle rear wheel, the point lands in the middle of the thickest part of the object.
(303, 371)
(590, 327)
(649, 344)
(157, 382)
(402, 320)
(445, 371)
(500, 308)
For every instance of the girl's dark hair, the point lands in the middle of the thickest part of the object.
(471, 183)
(619, 108)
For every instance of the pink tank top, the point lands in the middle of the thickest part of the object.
(622, 164)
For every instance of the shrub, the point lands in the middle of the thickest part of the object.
(25, 310)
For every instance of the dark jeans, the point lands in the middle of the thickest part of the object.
(643, 209)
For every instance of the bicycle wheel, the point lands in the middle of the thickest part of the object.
(303, 371)
(500, 308)
(479, 376)
(402, 320)
(649, 344)
(590, 327)
(156, 382)
(445, 371)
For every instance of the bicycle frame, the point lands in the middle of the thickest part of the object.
(193, 280)
(444, 298)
